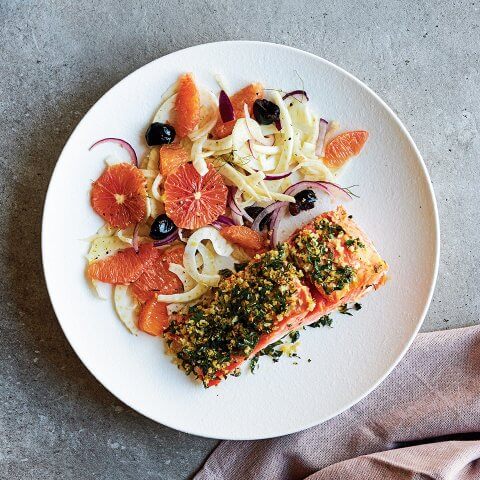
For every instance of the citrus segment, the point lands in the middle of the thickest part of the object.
(124, 266)
(247, 95)
(193, 201)
(243, 236)
(153, 318)
(343, 147)
(171, 157)
(158, 278)
(187, 106)
(119, 195)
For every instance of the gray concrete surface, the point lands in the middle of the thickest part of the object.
(57, 58)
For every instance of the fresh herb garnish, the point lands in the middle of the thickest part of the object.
(225, 272)
(345, 309)
(294, 336)
(325, 321)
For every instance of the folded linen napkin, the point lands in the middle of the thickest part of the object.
(422, 422)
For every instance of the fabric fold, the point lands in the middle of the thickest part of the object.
(421, 422)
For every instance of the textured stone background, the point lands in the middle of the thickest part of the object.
(58, 57)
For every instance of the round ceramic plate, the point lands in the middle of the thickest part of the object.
(396, 209)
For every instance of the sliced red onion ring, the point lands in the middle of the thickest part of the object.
(124, 144)
(330, 188)
(169, 239)
(231, 201)
(278, 124)
(222, 221)
(237, 219)
(277, 176)
(294, 93)
(236, 199)
(277, 217)
(338, 191)
(252, 151)
(266, 211)
(225, 107)
(238, 213)
(135, 237)
(306, 185)
(322, 131)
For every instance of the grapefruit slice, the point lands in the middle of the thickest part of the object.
(153, 318)
(343, 147)
(124, 266)
(171, 157)
(187, 106)
(243, 236)
(247, 95)
(119, 195)
(158, 278)
(193, 201)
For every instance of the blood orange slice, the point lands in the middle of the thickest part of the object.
(119, 195)
(343, 147)
(158, 278)
(247, 95)
(187, 106)
(153, 318)
(171, 157)
(193, 201)
(243, 236)
(124, 266)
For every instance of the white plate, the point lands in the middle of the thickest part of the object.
(396, 208)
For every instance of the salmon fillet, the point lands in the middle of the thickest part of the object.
(327, 263)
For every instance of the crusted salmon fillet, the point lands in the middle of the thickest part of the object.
(327, 263)
(247, 311)
(339, 261)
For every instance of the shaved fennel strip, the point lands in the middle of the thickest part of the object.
(197, 158)
(156, 188)
(287, 132)
(187, 281)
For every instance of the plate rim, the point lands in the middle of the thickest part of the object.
(432, 281)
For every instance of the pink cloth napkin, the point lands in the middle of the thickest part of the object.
(422, 422)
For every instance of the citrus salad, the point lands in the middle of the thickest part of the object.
(219, 175)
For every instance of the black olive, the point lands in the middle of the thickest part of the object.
(266, 112)
(161, 227)
(304, 200)
(254, 212)
(159, 134)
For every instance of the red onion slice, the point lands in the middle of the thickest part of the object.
(236, 199)
(277, 217)
(295, 93)
(222, 221)
(237, 219)
(231, 201)
(135, 237)
(306, 185)
(322, 131)
(338, 191)
(266, 211)
(278, 124)
(329, 188)
(225, 107)
(277, 176)
(124, 144)
(252, 151)
(168, 239)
